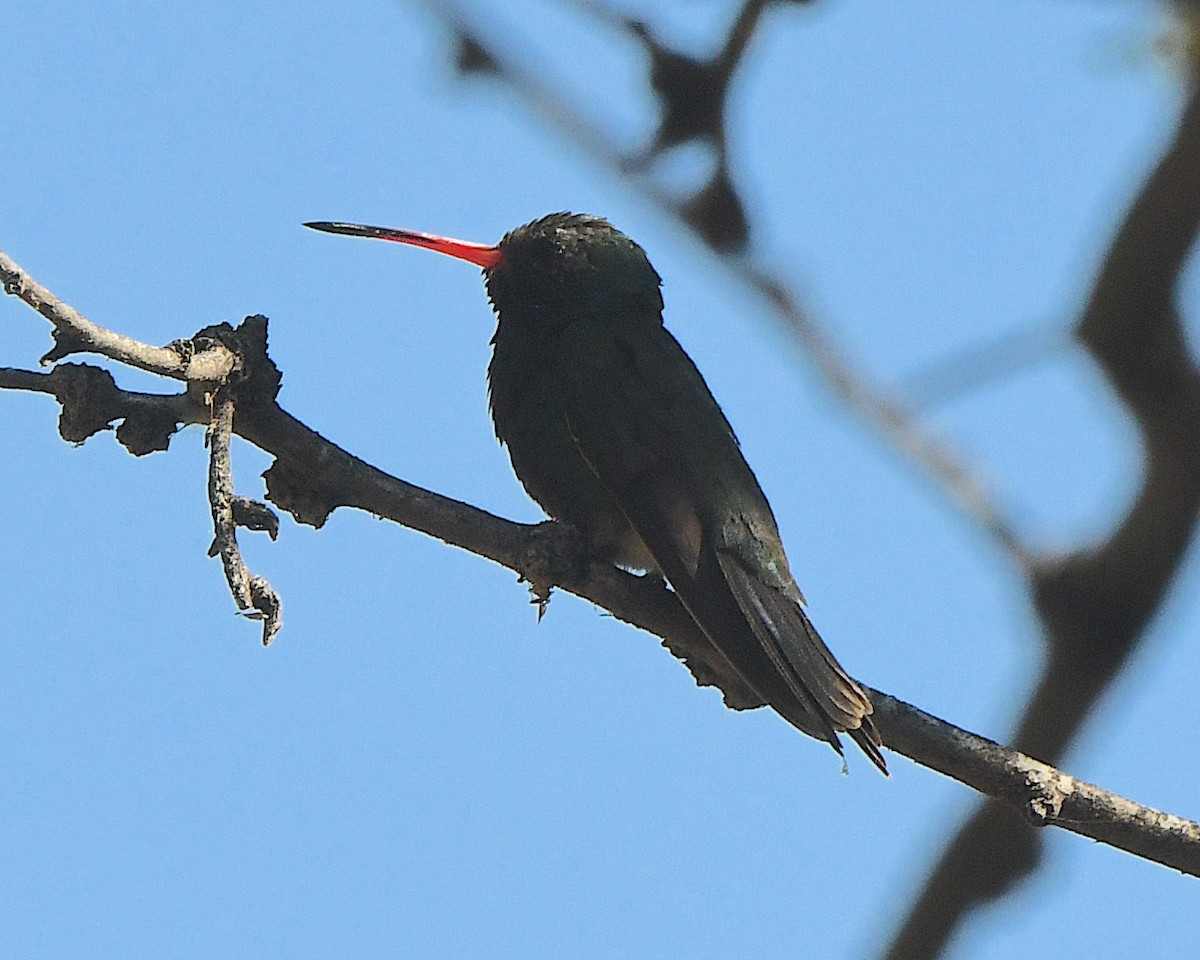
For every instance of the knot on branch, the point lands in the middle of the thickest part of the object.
(300, 493)
(147, 430)
(252, 515)
(255, 379)
(89, 399)
(471, 57)
(1045, 801)
(255, 515)
(715, 212)
(691, 92)
(267, 607)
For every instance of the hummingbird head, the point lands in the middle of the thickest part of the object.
(556, 269)
(566, 265)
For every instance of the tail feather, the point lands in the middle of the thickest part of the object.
(790, 640)
(868, 739)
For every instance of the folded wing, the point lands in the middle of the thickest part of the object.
(644, 419)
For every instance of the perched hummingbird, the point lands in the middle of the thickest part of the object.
(611, 428)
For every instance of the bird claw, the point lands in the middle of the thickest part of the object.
(555, 553)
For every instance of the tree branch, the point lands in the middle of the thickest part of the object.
(312, 476)
(1096, 602)
(74, 333)
(249, 591)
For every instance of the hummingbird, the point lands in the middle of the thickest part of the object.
(611, 428)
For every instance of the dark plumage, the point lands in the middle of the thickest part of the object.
(611, 428)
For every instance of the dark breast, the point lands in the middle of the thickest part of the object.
(529, 421)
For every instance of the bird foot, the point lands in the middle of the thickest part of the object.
(555, 553)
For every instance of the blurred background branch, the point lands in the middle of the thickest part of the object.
(690, 94)
(1094, 602)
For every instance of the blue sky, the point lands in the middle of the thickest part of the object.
(416, 767)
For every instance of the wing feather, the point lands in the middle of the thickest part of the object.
(644, 419)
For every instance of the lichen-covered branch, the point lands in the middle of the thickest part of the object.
(250, 592)
(74, 333)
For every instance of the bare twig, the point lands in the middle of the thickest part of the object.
(889, 416)
(91, 401)
(249, 591)
(74, 333)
